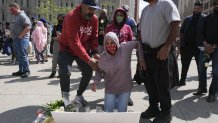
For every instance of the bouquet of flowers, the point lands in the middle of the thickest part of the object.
(44, 114)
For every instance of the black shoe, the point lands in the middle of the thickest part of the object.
(130, 102)
(150, 113)
(200, 91)
(25, 74)
(18, 73)
(163, 118)
(52, 74)
(211, 98)
(181, 83)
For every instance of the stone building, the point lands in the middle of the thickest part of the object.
(29, 6)
(208, 6)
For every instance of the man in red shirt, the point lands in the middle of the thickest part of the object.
(78, 42)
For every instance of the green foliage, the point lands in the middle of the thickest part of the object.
(52, 106)
(49, 10)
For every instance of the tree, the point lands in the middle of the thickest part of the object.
(49, 10)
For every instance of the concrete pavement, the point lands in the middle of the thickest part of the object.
(20, 98)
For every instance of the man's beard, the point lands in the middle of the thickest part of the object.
(88, 16)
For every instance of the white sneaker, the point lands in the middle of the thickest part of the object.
(80, 100)
(66, 99)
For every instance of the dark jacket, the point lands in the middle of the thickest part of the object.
(211, 29)
(185, 27)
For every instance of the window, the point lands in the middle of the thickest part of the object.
(50, 17)
(27, 3)
(39, 3)
(3, 15)
(102, 6)
(66, 4)
(61, 4)
(3, 2)
(21, 2)
(71, 4)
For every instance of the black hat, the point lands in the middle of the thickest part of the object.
(91, 3)
(199, 4)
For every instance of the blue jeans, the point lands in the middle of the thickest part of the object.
(214, 85)
(20, 46)
(202, 71)
(116, 101)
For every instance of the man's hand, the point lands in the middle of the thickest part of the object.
(208, 48)
(96, 56)
(164, 52)
(93, 87)
(142, 65)
(93, 63)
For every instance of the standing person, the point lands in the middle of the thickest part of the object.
(159, 28)
(2, 35)
(115, 67)
(190, 36)
(130, 21)
(78, 42)
(123, 31)
(55, 35)
(48, 41)
(20, 32)
(211, 48)
(9, 39)
(39, 37)
(34, 24)
(103, 22)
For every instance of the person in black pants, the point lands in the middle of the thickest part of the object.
(190, 36)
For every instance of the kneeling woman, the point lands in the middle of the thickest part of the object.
(115, 67)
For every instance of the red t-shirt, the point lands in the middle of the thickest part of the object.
(78, 35)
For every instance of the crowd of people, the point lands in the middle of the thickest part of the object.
(105, 48)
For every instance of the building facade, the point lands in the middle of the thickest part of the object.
(112, 5)
(208, 6)
(29, 6)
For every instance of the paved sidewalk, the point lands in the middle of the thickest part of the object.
(20, 98)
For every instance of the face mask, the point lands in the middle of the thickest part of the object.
(60, 21)
(119, 19)
(88, 16)
(13, 11)
(111, 49)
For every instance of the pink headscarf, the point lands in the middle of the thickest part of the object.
(39, 36)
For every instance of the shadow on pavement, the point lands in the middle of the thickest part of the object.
(195, 107)
(28, 79)
(19, 115)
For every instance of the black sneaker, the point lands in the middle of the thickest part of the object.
(52, 74)
(18, 73)
(163, 118)
(25, 74)
(200, 91)
(150, 113)
(211, 98)
(130, 102)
